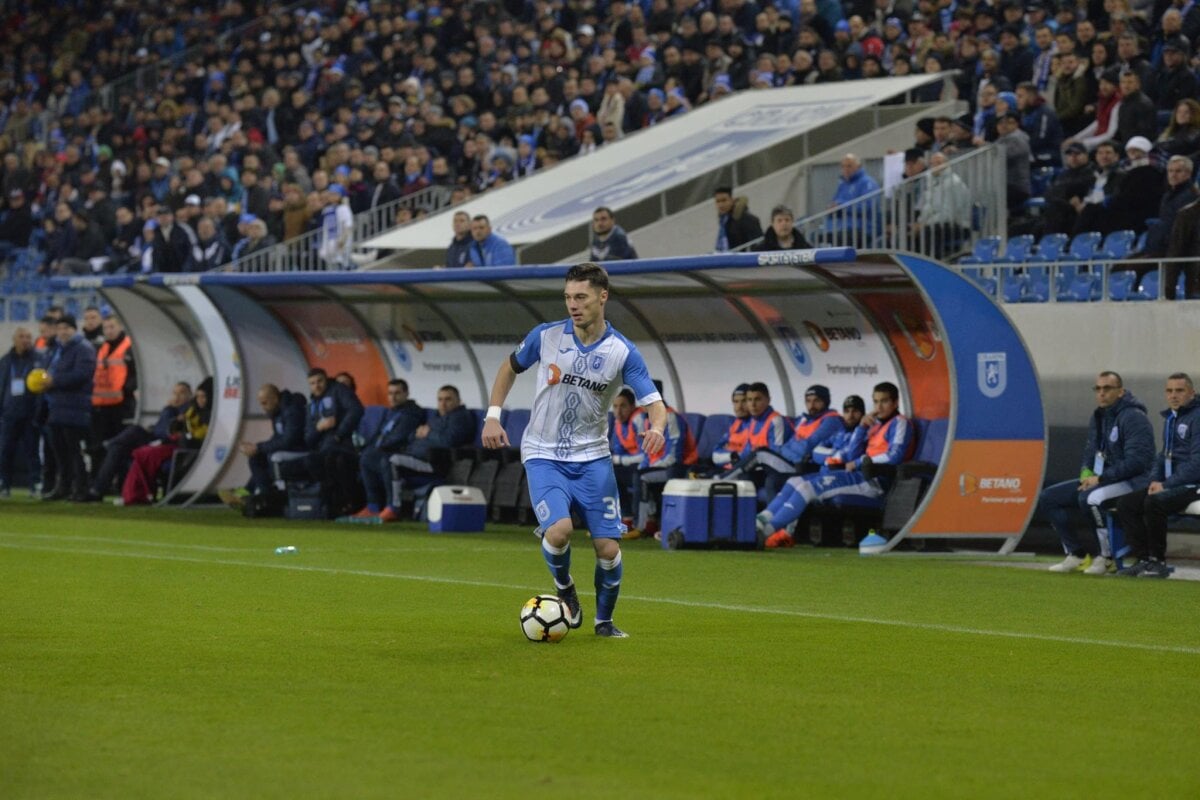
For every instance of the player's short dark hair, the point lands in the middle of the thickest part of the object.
(1108, 373)
(591, 272)
(450, 388)
(888, 388)
(315, 371)
(403, 384)
(350, 382)
(1181, 376)
(760, 387)
(627, 393)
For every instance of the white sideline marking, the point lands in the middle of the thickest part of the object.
(896, 623)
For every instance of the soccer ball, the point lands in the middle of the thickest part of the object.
(36, 380)
(544, 619)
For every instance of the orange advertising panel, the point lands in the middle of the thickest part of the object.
(905, 319)
(987, 487)
(333, 338)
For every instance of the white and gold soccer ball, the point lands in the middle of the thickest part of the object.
(544, 619)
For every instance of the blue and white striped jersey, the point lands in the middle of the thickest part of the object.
(575, 388)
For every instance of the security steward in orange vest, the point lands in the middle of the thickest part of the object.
(113, 400)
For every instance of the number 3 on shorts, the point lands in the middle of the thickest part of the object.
(610, 508)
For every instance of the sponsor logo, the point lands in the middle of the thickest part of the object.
(991, 373)
(583, 383)
(415, 337)
(992, 489)
(233, 387)
(555, 375)
(787, 258)
(85, 283)
(823, 337)
(221, 452)
(181, 280)
(795, 347)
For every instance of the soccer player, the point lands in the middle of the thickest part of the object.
(582, 364)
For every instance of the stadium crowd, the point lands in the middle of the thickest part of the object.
(265, 134)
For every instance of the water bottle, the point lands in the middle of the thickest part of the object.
(286, 550)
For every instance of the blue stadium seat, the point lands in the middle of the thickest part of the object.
(1040, 179)
(1117, 244)
(20, 311)
(984, 251)
(1149, 288)
(1051, 245)
(480, 415)
(1120, 285)
(71, 306)
(715, 428)
(984, 282)
(1017, 249)
(515, 424)
(1140, 244)
(1084, 246)
(931, 439)
(695, 423)
(1037, 290)
(372, 418)
(1181, 287)
(1013, 287)
(1079, 288)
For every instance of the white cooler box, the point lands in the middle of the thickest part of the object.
(456, 509)
(708, 512)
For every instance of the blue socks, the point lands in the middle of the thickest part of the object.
(559, 561)
(608, 586)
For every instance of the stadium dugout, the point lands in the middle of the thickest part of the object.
(849, 320)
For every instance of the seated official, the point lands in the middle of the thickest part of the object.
(454, 426)
(397, 431)
(119, 449)
(334, 412)
(883, 437)
(141, 479)
(286, 412)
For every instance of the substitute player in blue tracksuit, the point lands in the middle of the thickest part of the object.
(582, 363)
(884, 437)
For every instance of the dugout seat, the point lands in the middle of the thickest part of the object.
(506, 496)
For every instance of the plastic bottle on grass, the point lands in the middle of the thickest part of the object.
(286, 550)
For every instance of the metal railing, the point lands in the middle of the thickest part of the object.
(1074, 280)
(305, 253)
(939, 213)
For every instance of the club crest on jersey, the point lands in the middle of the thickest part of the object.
(555, 375)
(597, 363)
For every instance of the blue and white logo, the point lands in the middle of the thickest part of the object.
(795, 347)
(401, 354)
(597, 363)
(221, 452)
(1181, 430)
(992, 374)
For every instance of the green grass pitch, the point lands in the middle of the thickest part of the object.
(151, 653)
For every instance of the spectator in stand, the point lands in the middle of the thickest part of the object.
(1105, 119)
(17, 224)
(1184, 243)
(1075, 88)
(944, 211)
(1175, 81)
(782, 234)
(1091, 208)
(1072, 184)
(1181, 192)
(337, 229)
(735, 224)
(209, 252)
(1181, 137)
(1138, 193)
(1016, 158)
(458, 254)
(1174, 482)
(609, 240)
(856, 220)
(1136, 115)
(1041, 124)
(488, 249)
(173, 247)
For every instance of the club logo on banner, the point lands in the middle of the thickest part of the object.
(795, 347)
(992, 373)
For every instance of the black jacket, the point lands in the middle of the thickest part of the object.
(770, 241)
(1123, 434)
(742, 226)
(287, 425)
(341, 403)
(14, 368)
(398, 427)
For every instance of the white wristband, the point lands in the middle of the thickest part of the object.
(493, 412)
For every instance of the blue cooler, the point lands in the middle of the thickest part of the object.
(456, 509)
(708, 512)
